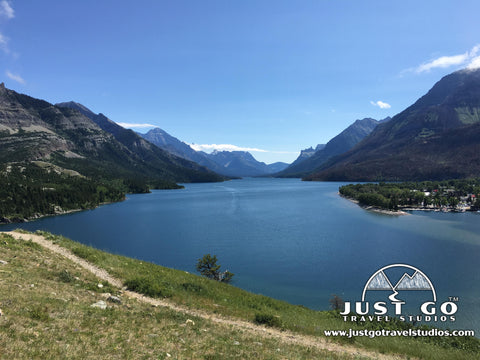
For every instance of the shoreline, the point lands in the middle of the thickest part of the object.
(403, 210)
(16, 220)
(376, 209)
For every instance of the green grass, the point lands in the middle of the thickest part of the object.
(45, 300)
(195, 292)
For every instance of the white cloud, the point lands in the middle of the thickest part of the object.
(474, 59)
(474, 51)
(474, 64)
(443, 62)
(381, 104)
(15, 77)
(4, 43)
(230, 147)
(469, 58)
(6, 9)
(222, 147)
(6, 12)
(132, 125)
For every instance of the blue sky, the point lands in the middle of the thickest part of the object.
(272, 76)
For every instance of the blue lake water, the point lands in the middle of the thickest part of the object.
(292, 240)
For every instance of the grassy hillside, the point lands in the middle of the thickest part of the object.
(46, 304)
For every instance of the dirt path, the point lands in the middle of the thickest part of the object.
(285, 336)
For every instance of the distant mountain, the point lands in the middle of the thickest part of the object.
(277, 167)
(33, 129)
(438, 137)
(241, 163)
(171, 144)
(306, 153)
(308, 162)
(164, 140)
(228, 163)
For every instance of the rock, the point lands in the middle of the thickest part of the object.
(114, 299)
(3, 262)
(100, 304)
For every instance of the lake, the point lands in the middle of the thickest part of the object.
(288, 239)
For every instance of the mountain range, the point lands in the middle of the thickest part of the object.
(435, 138)
(228, 163)
(72, 137)
(309, 160)
(438, 137)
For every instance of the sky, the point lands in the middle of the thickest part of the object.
(268, 76)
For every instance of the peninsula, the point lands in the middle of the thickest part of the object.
(448, 196)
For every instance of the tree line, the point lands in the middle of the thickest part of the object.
(431, 194)
(27, 191)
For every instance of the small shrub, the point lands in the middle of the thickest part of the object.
(39, 313)
(147, 286)
(65, 276)
(268, 320)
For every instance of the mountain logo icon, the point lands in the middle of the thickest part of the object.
(418, 281)
(394, 280)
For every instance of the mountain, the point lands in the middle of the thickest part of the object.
(348, 138)
(228, 163)
(307, 153)
(240, 163)
(164, 140)
(438, 137)
(171, 144)
(277, 167)
(152, 156)
(72, 137)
